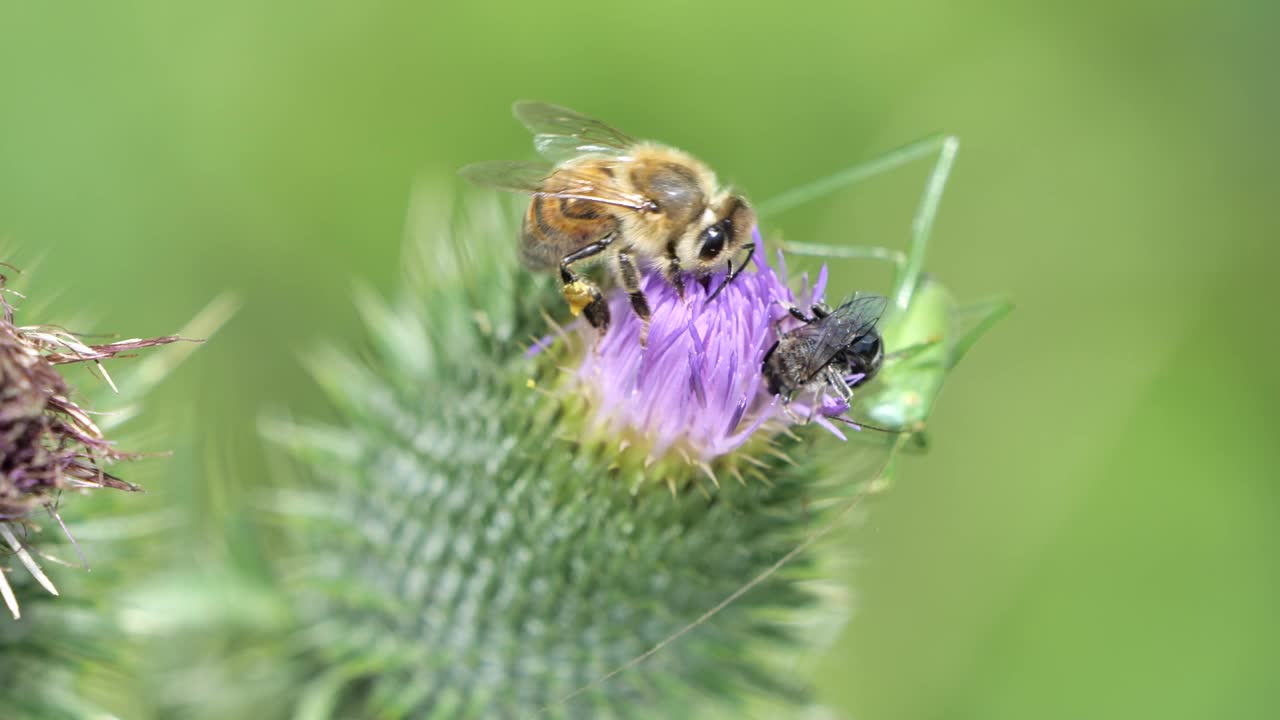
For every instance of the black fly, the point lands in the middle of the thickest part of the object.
(836, 349)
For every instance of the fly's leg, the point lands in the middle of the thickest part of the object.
(584, 296)
(837, 383)
(814, 404)
(791, 414)
(910, 264)
(629, 277)
(797, 314)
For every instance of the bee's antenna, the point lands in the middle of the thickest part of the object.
(733, 274)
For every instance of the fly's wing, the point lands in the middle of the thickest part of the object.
(560, 134)
(824, 338)
(570, 183)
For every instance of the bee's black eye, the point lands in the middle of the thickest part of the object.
(713, 239)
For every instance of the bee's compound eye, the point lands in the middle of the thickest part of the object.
(712, 240)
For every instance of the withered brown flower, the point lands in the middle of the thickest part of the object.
(48, 442)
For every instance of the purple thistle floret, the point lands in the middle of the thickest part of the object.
(697, 388)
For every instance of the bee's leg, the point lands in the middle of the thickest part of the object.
(734, 272)
(910, 264)
(583, 295)
(629, 277)
(671, 269)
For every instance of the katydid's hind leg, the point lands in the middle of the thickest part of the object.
(852, 175)
(922, 224)
(910, 264)
(584, 297)
(988, 313)
(629, 278)
(847, 252)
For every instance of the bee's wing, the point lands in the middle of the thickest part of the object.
(560, 133)
(571, 184)
(825, 337)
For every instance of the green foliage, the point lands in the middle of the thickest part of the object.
(466, 552)
(37, 662)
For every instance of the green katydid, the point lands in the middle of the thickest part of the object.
(925, 331)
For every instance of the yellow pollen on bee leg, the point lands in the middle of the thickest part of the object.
(579, 295)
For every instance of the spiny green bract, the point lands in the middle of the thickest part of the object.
(469, 551)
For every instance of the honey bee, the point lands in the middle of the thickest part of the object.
(605, 195)
(836, 350)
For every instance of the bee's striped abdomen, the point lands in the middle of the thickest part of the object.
(554, 227)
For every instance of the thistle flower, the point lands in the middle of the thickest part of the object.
(48, 442)
(473, 546)
(696, 389)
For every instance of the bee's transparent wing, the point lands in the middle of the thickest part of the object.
(513, 175)
(570, 184)
(560, 133)
(827, 336)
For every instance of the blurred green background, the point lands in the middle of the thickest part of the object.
(1094, 532)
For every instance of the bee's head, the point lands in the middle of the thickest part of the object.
(722, 232)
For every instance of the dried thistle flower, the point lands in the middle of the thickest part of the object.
(48, 442)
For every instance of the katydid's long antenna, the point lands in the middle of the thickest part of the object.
(813, 537)
(864, 426)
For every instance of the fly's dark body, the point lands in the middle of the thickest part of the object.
(834, 349)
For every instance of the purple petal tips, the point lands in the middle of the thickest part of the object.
(697, 389)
